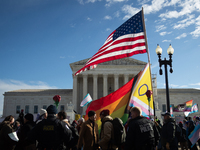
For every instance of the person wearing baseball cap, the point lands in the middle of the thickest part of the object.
(168, 138)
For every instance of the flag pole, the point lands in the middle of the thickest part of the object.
(144, 28)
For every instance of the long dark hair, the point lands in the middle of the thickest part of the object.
(8, 118)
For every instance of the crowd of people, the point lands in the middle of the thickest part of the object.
(52, 131)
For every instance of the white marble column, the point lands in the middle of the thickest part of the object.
(116, 81)
(85, 81)
(95, 86)
(75, 92)
(105, 84)
(126, 77)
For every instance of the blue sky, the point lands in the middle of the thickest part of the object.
(40, 38)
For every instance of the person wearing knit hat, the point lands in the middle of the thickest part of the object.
(107, 133)
(51, 133)
(52, 109)
(89, 133)
(42, 115)
(105, 112)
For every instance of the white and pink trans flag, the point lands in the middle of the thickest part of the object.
(87, 99)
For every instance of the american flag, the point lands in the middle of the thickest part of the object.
(125, 41)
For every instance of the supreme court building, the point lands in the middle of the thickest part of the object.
(98, 82)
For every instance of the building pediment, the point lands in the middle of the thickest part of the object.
(123, 61)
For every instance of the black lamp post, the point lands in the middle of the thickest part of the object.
(165, 62)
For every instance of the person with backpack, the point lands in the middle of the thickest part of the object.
(142, 133)
(72, 145)
(107, 131)
(89, 133)
(51, 133)
(168, 132)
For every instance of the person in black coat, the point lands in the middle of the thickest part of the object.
(142, 133)
(6, 127)
(23, 132)
(183, 140)
(51, 133)
(168, 139)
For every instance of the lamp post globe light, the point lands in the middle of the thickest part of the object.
(165, 62)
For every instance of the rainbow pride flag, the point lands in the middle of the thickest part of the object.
(188, 105)
(138, 96)
(115, 102)
(185, 107)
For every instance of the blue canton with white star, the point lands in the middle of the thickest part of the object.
(133, 25)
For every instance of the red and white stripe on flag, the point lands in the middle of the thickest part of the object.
(125, 41)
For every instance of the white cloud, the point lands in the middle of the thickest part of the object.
(89, 19)
(72, 25)
(164, 33)
(141, 2)
(196, 32)
(183, 86)
(81, 2)
(166, 41)
(181, 36)
(62, 57)
(185, 22)
(10, 85)
(155, 6)
(196, 84)
(92, 1)
(107, 17)
(160, 27)
(108, 29)
(117, 14)
(173, 85)
(110, 2)
(188, 7)
(130, 11)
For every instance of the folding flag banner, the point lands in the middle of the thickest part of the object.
(87, 99)
(185, 107)
(127, 40)
(195, 135)
(193, 110)
(115, 102)
(171, 111)
(138, 96)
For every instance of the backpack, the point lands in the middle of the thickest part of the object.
(75, 136)
(119, 132)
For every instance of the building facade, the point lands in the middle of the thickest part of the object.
(99, 82)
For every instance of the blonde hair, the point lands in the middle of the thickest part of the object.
(137, 110)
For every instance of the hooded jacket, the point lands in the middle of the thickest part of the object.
(107, 133)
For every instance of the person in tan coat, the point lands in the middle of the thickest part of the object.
(88, 136)
(107, 132)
